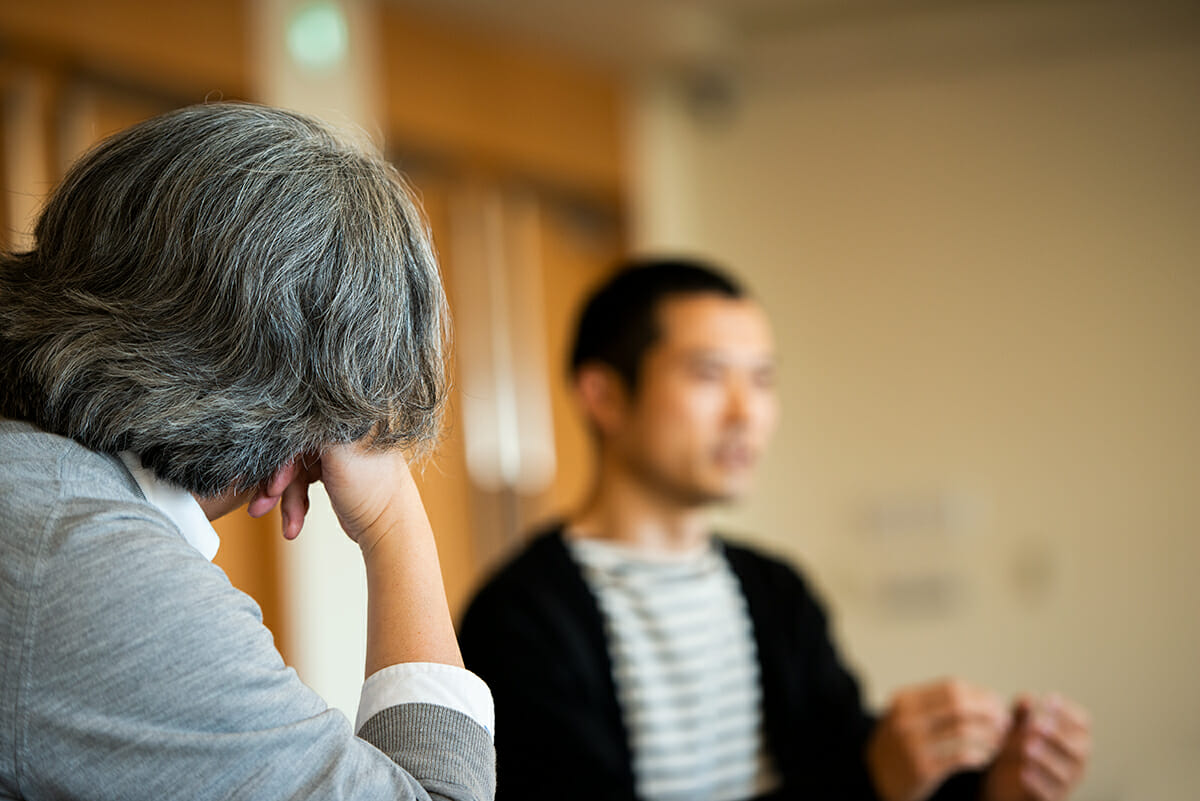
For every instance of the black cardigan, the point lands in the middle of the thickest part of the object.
(535, 634)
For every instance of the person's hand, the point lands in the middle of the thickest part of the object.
(288, 487)
(370, 491)
(930, 732)
(377, 504)
(1044, 754)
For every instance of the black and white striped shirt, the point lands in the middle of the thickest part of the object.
(685, 669)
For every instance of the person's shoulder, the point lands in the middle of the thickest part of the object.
(759, 565)
(530, 615)
(738, 549)
(83, 545)
(26, 450)
(773, 585)
(44, 476)
(35, 457)
(82, 510)
(539, 588)
(543, 550)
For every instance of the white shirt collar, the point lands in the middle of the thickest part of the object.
(177, 504)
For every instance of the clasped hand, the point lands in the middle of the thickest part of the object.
(1037, 751)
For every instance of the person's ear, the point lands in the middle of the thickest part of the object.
(602, 396)
(271, 490)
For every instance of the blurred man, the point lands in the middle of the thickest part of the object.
(224, 304)
(634, 654)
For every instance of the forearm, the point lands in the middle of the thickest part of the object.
(407, 615)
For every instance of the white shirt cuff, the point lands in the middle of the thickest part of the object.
(427, 683)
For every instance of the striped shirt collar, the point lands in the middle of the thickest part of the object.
(607, 553)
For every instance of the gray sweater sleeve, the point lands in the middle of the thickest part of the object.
(135, 671)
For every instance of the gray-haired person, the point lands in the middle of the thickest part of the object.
(224, 304)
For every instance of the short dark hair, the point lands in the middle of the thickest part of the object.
(619, 322)
(221, 288)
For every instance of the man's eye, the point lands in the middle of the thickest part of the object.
(706, 372)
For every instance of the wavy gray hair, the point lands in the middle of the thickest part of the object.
(220, 289)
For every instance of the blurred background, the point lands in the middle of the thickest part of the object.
(976, 226)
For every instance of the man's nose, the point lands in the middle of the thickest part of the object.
(737, 400)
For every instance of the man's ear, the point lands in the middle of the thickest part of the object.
(603, 397)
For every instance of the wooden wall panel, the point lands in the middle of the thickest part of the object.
(442, 479)
(184, 48)
(576, 246)
(501, 103)
(579, 249)
(472, 115)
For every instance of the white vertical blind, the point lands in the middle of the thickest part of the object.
(500, 338)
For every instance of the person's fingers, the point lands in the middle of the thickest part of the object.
(1047, 749)
(1065, 727)
(968, 744)
(1022, 707)
(1042, 785)
(271, 490)
(1072, 745)
(261, 504)
(1067, 715)
(967, 726)
(934, 730)
(953, 710)
(1058, 746)
(294, 506)
(1062, 764)
(282, 477)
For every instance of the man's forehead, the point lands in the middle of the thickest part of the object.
(709, 321)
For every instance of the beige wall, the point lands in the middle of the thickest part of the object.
(984, 276)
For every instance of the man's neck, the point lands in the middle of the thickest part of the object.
(218, 506)
(624, 510)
